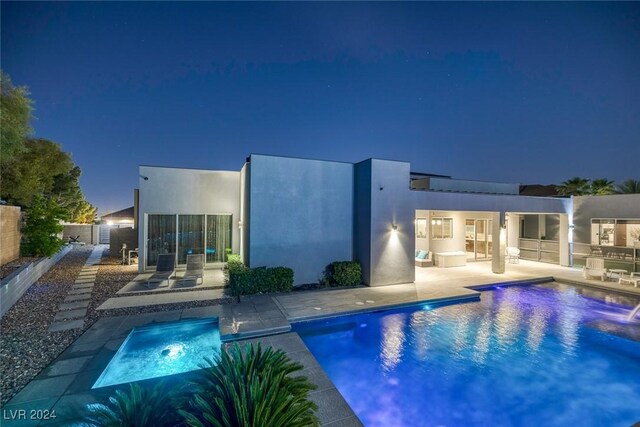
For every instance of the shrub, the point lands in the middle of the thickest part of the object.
(234, 262)
(138, 407)
(250, 389)
(248, 281)
(343, 273)
(40, 233)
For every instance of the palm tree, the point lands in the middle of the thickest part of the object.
(602, 187)
(630, 186)
(574, 187)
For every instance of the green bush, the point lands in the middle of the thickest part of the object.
(248, 281)
(40, 233)
(138, 407)
(236, 389)
(234, 262)
(251, 388)
(343, 273)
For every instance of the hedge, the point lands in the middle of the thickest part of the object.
(249, 281)
(343, 273)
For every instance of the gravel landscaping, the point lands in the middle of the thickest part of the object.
(12, 266)
(26, 345)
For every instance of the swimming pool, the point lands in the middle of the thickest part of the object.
(540, 355)
(161, 350)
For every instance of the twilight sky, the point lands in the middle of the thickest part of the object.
(514, 92)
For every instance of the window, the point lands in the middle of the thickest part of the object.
(421, 228)
(615, 232)
(442, 228)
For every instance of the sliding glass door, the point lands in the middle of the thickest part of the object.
(190, 236)
(187, 235)
(478, 239)
(161, 237)
(218, 237)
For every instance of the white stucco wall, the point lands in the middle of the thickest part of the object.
(187, 191)
(300, 214)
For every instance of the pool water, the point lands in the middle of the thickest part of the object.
(161, 350)
(541, 355)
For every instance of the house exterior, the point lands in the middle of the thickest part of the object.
(305, 213)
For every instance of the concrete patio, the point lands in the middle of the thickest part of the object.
(213, 278)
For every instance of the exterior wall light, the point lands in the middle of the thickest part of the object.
(394, 227)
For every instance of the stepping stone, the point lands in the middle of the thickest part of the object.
(71, 314)
(66, 325)
(82, 285)
(84, 282)
(80, 291)
(77, 297)
(74, 305)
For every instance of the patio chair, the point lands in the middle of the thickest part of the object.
(195, 268)
(632, 279)
(165, 268)
(513, 255)
(595, 268)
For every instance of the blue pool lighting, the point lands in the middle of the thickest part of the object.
(161, 350)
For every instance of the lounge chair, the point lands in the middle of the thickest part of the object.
(632, 279)
(595, 268)
(165, 268)
(513, 255)
(195, 268)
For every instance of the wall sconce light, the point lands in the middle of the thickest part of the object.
(572, 226)
(146, 178)
(394, 227)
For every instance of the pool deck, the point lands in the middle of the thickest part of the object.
(65, 385)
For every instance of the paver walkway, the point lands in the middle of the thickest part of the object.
(73, 309)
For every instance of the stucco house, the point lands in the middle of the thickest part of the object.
(305, 213)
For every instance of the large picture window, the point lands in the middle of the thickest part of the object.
(441, 228)
(421, 228)
(615, 232)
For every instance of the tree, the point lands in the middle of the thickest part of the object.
(44, 169)
(574, 187)
(15, 115)
(34, 172)
(630, 186)
(602, 187)
(40, 233)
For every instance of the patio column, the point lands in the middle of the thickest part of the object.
(565, 240)
(499, 244)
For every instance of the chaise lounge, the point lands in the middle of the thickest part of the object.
(632, 279)
(195, 268)
(165, 268)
